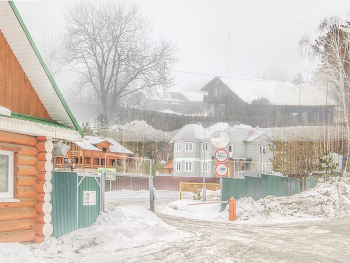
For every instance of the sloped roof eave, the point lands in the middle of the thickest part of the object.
(15, 31)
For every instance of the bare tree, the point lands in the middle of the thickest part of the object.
(110, 44)
(51, 49)
(332, 53)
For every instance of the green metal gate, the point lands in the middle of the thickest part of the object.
(75, 200)
(258, 187)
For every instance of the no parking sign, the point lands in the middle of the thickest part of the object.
(221, 169)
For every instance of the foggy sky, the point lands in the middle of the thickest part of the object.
(263, 39)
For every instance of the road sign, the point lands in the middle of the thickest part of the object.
(221, 169)
(219, 139)
(221, 155)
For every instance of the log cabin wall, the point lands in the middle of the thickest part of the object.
(27, 220)
(16, 92)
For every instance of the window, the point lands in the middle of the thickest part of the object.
(204, 166)
(72, 146)
(65, 160)
(216, 89)
(263, 168)
(188, 166)
(104, 150)
(6, 174)
(178, 146)
(262, 149)
(221, 110)
(178, 166)
(230, 148)
(188, 146)
(204, 146)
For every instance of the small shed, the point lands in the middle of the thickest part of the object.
(33, 117)
(169, 167)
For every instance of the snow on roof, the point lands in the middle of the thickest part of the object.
(278, 92)
(196, 132)
(170, 112)
(257, 135)
(219, 126)
(190, 132)
(89, 143)
(85, 145)
(193, 96)
(117, 148)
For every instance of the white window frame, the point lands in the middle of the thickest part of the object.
(177, 166)
(206, 146)
(188, 166)
(178, 146)
(10, 179)
(263, 148)
(187, 148)
(205, 164)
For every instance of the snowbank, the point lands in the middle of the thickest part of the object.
(125, 227)
(322, 201)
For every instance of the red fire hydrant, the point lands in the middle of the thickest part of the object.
(232, 209)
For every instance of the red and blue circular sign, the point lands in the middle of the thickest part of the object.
(221, 169)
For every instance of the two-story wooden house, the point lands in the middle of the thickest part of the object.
(92, 153)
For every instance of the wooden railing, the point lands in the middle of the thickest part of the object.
(74, 153)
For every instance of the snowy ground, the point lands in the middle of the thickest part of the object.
(313, 226)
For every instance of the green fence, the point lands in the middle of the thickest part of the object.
(311, 182)
(75, 200)
(258, 187)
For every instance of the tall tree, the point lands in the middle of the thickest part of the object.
(110, 44)
(332, 52)
(294, 157)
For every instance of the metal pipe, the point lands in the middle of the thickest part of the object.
(151, 193)
(204, 166)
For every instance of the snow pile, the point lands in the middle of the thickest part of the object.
(316, 203)
(125, 227)
(15, 253)
(322, 201)
(188, 208)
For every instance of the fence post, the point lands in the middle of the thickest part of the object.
(151, 194)
(180, 190)
(102, 191)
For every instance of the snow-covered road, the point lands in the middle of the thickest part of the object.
(325, 240)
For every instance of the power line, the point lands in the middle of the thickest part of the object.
(208, 75)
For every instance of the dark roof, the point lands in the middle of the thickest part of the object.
(212, 82)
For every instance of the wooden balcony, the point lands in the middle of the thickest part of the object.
(74, 153)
